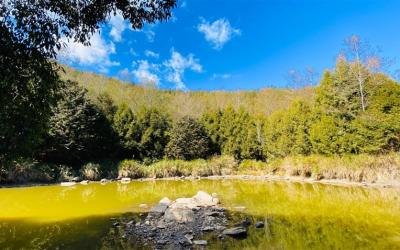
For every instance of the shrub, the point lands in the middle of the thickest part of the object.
(65, 173)
(166, 168)
(223, 165)
(131, 169)
(91, 171)
(25, 170)
(253, 166)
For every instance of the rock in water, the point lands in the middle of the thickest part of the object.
(259, 224)
(204, 199)
(179, 224)
(76, 179)
(160, 208)
(179, 214)
(200, 242)
(67, 184)
(235, 232)
(125, 180)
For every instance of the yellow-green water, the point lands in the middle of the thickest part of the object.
(297, 215)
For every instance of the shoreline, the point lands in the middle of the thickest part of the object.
(294, 179)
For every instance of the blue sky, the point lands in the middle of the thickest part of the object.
(236, 44)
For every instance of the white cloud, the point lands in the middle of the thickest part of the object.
(146, 72)
(152, 54)
(177, 65)
(217, 33)
(132, 52)
(150, 35)
(97, 54)
(125, 75)
(221, 76)
(183, 4)
(118, 25)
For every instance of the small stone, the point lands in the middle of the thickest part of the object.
(213, 213)
(207, 229)
(259, 224)
(235, 232)
(200, 242)
(147, 222)
(85, 182)
(189, 236)
(245, 223)
(165, 200)
(130, 223)
(137, 224)
(103, 180)
(220, 228)
(125, 180)
(161, 225)
(115, 224)
(162, 242)
(67, 184)
(75, 179)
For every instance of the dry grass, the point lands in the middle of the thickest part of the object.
(357, 168)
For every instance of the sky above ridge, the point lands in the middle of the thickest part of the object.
(236, 44)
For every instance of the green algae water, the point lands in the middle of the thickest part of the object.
(297, 215)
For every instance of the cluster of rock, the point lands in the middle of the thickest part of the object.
(182, 223)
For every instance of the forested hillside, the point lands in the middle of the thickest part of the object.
(101, 127)
(192, 103)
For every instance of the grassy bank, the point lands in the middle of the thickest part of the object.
(353, 168)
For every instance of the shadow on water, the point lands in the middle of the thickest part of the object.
(97, 232)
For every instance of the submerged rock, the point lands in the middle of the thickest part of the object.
(235, 231)
(259, 224)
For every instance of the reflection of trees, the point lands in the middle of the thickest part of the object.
(88, 194)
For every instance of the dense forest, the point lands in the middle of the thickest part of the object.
(97, 121)
(56, 121)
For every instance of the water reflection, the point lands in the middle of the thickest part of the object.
(297, 215)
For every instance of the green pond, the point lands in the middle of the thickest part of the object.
(297, 215)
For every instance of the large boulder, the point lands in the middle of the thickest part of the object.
(179, 214)
(159, 209)
(204, 199)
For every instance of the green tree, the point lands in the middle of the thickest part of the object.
(106, 105)
(239, 134)
(31, 33)
(287, 132)
(78, 131)
(153, 127)
(125, 126)
(212, 123)
(188, 140)
(378, 129)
